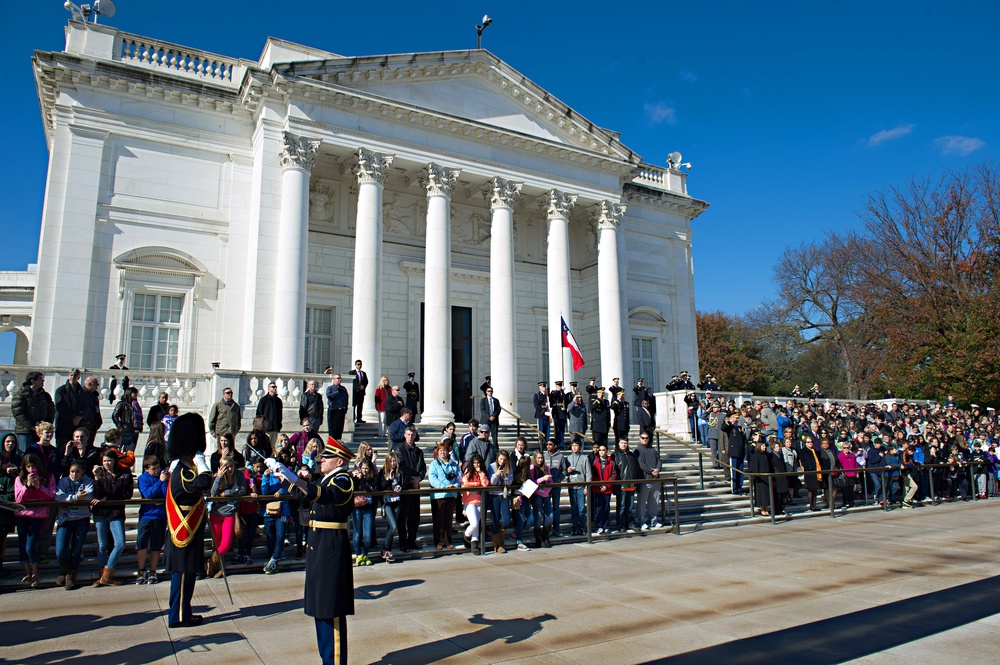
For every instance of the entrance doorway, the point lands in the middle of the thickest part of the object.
(461, 360)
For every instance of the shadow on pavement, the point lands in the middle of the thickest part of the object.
(150, 652)
(510, 631)
(857, 634)
(376, 591)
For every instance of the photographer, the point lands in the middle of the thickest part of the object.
(443, 473)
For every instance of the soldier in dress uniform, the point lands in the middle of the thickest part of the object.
(614, 390)
(119, 365)
(557, 404)
(620, 408)
(485, 384)
(675, 383)
(190, 478)
(686, 383)
(329, 591)
(412, 389)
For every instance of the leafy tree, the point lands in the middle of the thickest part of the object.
(727, 352)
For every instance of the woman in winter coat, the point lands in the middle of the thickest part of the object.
(33, 483)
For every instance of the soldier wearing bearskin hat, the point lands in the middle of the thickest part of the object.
(190, 478)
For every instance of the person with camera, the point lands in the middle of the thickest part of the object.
(444, 473)
(79, 450)
(111, 483)
(33, 483)
(73, 522)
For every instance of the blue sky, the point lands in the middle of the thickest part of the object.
(790, 112)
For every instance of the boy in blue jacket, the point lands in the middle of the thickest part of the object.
(152, 519)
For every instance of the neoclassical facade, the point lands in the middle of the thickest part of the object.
(428, 212)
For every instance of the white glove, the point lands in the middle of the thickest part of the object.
(272, 464)
(201, 464)
(173, 465)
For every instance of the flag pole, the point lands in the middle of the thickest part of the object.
(562, 351)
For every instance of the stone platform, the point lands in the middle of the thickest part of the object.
(919, 586)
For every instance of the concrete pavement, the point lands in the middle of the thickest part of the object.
(919, 586)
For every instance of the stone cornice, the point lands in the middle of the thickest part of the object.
(686, 206)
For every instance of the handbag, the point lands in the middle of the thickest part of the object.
(238, 526)
(515, 503)
(841, 481)
(273, 508)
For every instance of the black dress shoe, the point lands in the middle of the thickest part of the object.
(195, 620)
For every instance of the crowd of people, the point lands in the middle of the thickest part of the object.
(887, 453)
(477, 489)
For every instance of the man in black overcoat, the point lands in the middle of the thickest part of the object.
(329, 594)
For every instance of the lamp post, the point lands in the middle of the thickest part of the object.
(479, 30)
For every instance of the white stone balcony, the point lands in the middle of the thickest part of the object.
(100, 41)
(663, 179)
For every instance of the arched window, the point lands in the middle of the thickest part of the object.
(158, 288)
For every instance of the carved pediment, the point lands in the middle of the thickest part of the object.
(465, 85)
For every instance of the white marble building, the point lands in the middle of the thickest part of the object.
(428, 212)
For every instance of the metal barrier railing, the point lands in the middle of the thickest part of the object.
(886, 473)
(483, 492)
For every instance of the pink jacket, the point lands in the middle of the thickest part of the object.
(26, 495)
(848, 462)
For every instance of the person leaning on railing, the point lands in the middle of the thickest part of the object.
(111, 482)
(500, 475)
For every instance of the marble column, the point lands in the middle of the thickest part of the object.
(560, 303)
(366, 318)
(439, 182)
(293, 254)
(503, 358)
(608, 217)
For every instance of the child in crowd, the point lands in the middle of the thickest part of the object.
(113, 441)
(363, 517)
(73, 522)
(170, 417)
(275, 518)
(248, 512)
(309, 454)
(152, 529)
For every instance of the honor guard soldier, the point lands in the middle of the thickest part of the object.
(615, 390)
(600, 417)
(329, 594)
(412, 389)
(675, 383)
(485, 385)
(557, 404)
(190, 478)
(686, 381)
(592, 386)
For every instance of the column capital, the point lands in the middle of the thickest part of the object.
(372, 166)
(608, 214)
(501, 193)
(557, 204)
(298, 152)
(439, 180)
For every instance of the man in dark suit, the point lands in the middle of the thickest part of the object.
(645, 417)
(489, 414)
(358, 390)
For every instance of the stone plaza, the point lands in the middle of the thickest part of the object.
(903, 587)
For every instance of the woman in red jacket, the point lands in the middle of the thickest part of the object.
(474, 478)
(604, 470)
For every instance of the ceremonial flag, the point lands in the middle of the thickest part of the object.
(569, 342)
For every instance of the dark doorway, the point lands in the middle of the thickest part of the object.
(461, 360)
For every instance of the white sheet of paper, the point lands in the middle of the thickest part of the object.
(528, 488)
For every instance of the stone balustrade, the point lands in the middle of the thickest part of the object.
(136, 50)
(656, 177)
(190, 392)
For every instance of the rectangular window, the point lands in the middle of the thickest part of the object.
(319, 339)
(155, 332)
(644, 361)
